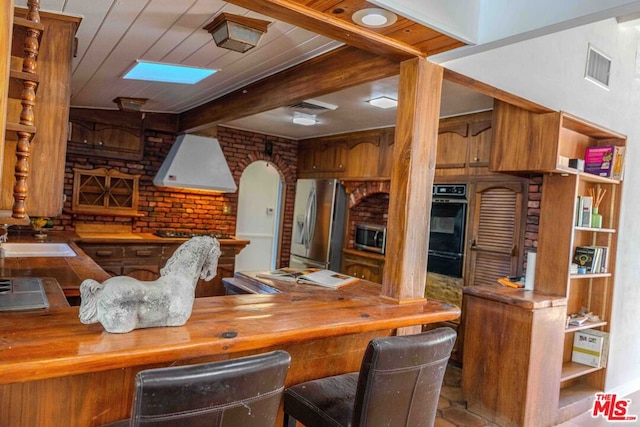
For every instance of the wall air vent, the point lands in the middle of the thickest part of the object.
(598, 67)
(312, 106)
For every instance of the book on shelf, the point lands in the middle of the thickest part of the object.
(584, 209)
(606, 161)
(591, 347)
(593, 258)
(310, 276)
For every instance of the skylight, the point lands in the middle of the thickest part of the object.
(167, 73)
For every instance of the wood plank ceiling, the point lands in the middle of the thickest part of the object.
(333, 19)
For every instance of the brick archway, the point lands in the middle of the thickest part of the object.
(284, 170)
(359, 190)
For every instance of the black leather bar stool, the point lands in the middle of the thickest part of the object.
(240, 392)
(398, 385)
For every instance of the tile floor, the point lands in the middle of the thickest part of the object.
(452, 408)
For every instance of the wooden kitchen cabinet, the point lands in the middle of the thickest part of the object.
(144, 261)
(363, 265)
(495, 232)
(105, 192)
(531, 142)
(510, 375)
(321, 159)
(464, 145)
(46, 151)
(355, 155)
(115, 135)
(370, 154)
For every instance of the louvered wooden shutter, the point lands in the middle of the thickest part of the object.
(495, 232)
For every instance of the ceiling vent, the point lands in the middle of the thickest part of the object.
(312, 106)
(598, 67)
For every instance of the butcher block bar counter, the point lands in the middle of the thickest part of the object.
(55, 368)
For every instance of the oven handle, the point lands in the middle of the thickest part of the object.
(513, 252)
(445, 255)
(439, 200)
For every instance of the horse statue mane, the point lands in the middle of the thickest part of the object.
(122, 303)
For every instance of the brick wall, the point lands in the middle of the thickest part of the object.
(533, 217)
(190, 210)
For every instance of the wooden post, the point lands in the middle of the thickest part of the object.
(414, 159)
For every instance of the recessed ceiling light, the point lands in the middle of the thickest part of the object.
(304, 119)
(374, 17)
(383, 102)
(167, 73)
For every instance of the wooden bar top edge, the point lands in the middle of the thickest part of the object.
(55, 344)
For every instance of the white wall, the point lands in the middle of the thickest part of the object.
(549, 70)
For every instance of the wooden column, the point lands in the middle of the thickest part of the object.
(414, 159)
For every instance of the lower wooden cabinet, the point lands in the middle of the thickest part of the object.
(510, 369)
(144, 262)
(363, 265)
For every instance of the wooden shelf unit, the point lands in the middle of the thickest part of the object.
(558, 238)
(21, 99)
(40, 50)
(526, 142)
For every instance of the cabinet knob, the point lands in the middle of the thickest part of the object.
(476, 159)
(104, 253)
(143, 253)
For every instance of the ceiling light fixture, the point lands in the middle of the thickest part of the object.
(383, 102)
(236, 32)
(304, 119)
(130, 104)
(374, 17)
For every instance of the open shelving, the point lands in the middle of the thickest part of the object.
(526, 142)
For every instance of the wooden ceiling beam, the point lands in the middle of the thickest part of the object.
(336, 70)
(320, 23)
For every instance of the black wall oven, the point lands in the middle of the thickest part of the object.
(447, 227)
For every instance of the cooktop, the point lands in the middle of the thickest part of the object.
(190, 234)
(22, 293)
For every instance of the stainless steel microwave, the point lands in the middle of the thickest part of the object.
(371, 237)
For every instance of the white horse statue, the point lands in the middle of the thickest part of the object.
(123, 303)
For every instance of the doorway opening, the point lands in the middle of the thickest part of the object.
(259, 216)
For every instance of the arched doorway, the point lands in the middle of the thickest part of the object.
(258, 216)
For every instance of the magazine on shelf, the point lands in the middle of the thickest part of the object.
(605, 161)
(310, 276)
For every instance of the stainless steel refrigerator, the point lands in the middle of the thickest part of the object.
(318, 224)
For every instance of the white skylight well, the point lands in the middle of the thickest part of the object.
(167, 73)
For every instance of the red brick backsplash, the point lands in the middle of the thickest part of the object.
(190, 210)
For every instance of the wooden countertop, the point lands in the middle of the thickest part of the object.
(68, 271)
(525, 299)
(71, 271)
(38, 345)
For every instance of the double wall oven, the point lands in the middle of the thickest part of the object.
(447, 229)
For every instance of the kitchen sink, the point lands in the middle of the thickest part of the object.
(14, 250)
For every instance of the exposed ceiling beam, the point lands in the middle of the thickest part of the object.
(336, 70)
(304, 17)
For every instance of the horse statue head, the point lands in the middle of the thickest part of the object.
(122, 303)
